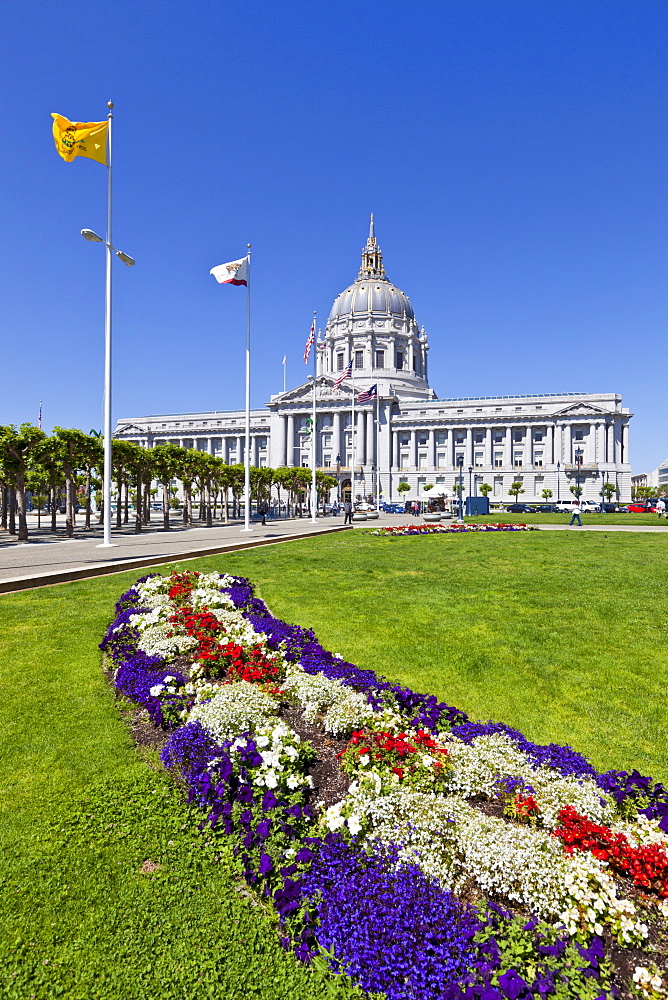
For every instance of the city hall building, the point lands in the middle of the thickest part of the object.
(408, 434)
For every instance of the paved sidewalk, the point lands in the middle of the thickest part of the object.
(47, 559)
(602, 527)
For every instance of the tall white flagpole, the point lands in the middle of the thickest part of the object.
(352, 471)
(106, 477)
(247, 526)
(375, 448)
(285, 358)
(314, 492)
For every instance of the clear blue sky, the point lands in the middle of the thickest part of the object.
(514, 154)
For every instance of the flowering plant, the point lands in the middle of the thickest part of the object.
(414, 757)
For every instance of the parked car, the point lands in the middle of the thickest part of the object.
(392, 508)
(520, 508)
(546, 508)
(641, 508)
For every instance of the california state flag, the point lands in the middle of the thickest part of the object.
(234, 273)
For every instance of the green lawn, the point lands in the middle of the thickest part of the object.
(563, 635)
(602, 519)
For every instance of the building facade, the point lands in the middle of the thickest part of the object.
(408, 434)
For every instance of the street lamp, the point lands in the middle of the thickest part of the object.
(558, 480)
(92, 237)
(602, 492)
(470, 483)
(460, 463)
(578, 465)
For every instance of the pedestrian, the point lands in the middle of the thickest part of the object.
(576, 514)
(661, 507)
(263, 510)
(416, 509)
(348, 512)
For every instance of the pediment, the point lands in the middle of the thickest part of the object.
(324, 390)
(129, 429)
(581, 410)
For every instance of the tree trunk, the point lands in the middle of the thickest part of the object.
(165, 506)
(226, 505)
(21, 504)
(53, 505)
(12, 511)
(138, 505)
(119, 499)
(87, 524)
(126, 506)
(69, 524)
(4, 503)
(208, 506)
(147, 503)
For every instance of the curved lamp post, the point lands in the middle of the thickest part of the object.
(92, 237)
(460, 463)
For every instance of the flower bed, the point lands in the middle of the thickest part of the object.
(446, 529)
(463, 860)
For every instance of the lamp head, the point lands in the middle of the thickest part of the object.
(130, 261)
(92, 237)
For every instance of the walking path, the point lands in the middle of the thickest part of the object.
(47, 559)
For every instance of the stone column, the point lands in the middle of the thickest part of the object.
(336, 438)
(209, 446)
(489, 455)
(240, 448)
(290, 451)
(360, 450)
(371, 457)
(468, 450)
(451, 448)
(625, 444)
(431, 452)
(549, 458)
(508, 448)
(413, 461)
(282, 431)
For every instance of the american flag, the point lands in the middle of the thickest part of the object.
(368, 394)
(309, 343)
(346, 373)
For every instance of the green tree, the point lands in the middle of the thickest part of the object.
(166, 465)
(403, 488)
(515, 489)
(72, 447)
(15, 448)
(485, 489)
(576, 491)
(546, 494)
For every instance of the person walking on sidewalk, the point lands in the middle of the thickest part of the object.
(661, 508)
(348, 512)
(263, 510)
(576, 514)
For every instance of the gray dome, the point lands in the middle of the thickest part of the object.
(371, 294)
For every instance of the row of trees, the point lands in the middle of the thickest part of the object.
(65, 468)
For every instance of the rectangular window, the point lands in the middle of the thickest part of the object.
(422, 460)
(478, 462)
(538, 458)
(327, 461)
(498, 437)
(538, 435)
(404, 460)
(263, 461)
(498, 459)
(422, 438)
(405, 439)
(326, 440)
(380, 359)
(498, 486)
(518, 460)
(359, 359)
(305, 461)
(578, 436)
(440, 459)
(262, 442)
(400, 360)
(339, 362)
(440, 437)
(518, 435)
(478, 437)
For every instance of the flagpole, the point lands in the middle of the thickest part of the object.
(106, 477)
(352, 471)
(247, 526)
(284, 360)
(377, 456)
(314, 492)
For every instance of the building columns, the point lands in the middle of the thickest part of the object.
(291, 440)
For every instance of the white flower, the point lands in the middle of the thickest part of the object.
(354, 824)
(262, 741)
(270, 779)
(155, 690)
(293, 782)
(365, 759)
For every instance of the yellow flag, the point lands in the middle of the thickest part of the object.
(80, 139)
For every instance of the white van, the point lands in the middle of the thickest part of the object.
(589, 506)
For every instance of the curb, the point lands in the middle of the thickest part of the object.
(106, 569)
